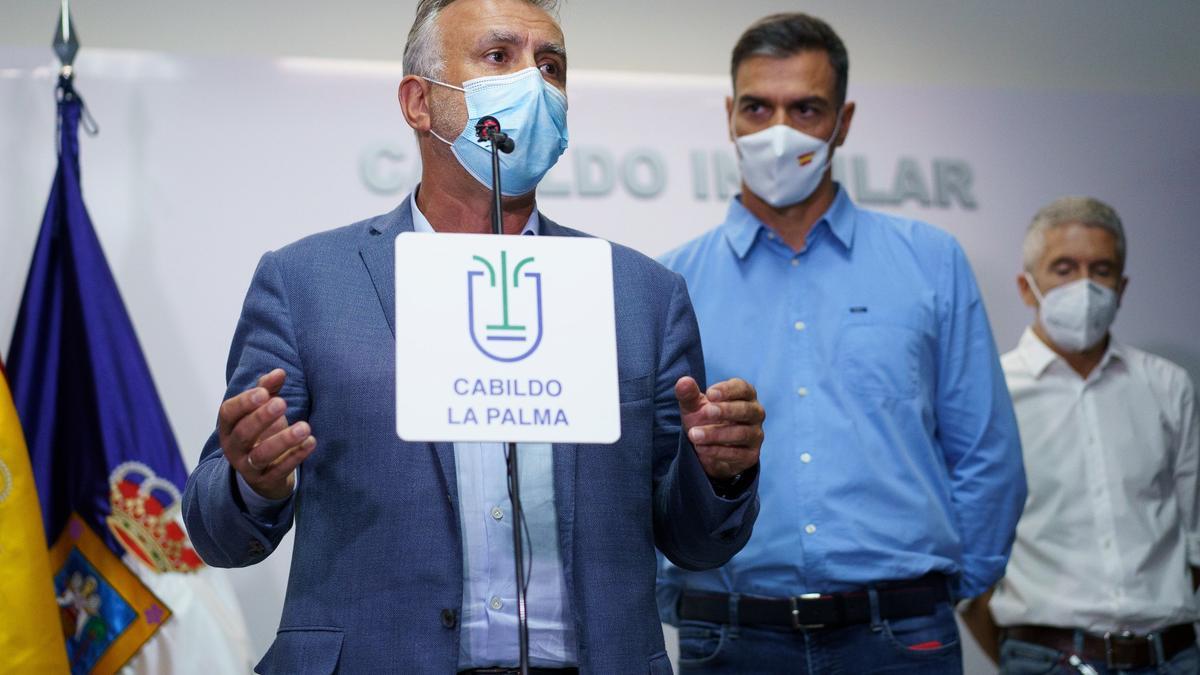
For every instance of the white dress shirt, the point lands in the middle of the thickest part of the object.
(1110, 525)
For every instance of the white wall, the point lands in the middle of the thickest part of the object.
(1127, 72)
(1099, 45)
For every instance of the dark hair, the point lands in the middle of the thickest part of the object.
(783, 35)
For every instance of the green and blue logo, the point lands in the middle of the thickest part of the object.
(504, 309)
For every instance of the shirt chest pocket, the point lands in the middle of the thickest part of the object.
(882, 357)
(1137, 443)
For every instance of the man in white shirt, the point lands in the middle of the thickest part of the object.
(1103, 574)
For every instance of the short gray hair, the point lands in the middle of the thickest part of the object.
(423, 51)
(1085, 210)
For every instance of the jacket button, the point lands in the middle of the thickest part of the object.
(449, 618)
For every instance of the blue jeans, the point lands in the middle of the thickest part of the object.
(1026, 658)
(882, 646)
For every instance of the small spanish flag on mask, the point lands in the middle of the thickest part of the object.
(806, 158)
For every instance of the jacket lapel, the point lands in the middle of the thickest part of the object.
(564, 503)
(564, 461)
(552, 229)
(379, 256)
(444, 453)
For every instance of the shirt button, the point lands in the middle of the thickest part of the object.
(770, 235)
(795, 262)
(496, 602)
(799, 325)
(449, 619)
(805, 457)
(803, 391)
(497, 513)
(810, 528)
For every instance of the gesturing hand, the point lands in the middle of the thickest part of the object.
(257, 440)
(723, 423)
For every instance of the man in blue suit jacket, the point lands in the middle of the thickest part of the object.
(397, 550)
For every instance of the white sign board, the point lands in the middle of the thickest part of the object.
(505, 338)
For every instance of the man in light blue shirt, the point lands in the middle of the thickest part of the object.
(891, 477)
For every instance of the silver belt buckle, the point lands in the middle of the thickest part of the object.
(796, 625)
(1108, 649)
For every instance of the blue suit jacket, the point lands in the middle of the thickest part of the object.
(376, 579)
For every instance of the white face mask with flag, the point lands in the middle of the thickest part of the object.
(784, 166)
(1077, 315)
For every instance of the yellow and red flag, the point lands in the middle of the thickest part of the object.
(31, 636)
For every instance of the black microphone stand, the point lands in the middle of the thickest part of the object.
(488, 129)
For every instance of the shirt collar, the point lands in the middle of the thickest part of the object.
(1038, 355)
(422, 224)
(840, 217)
(1115, 350)
(741, 227)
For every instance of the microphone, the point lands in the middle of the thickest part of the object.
(488, 129)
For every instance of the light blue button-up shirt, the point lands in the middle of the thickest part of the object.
(891, 447)
(488, 632)
(488, 626)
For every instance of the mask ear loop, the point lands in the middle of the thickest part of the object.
(448, 86)
(733, 129)
(837, 125)
(444, 84)
(1037, 293)
(439, 137)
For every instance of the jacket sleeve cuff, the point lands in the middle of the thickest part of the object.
(265, 511)
(732, 488)
(221, 528)
(723, 517)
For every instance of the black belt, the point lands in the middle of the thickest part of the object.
(517, 671)
(1120, 651)
(898, 600)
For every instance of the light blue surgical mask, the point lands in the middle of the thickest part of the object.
(532, 112)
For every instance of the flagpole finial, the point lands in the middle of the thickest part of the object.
(66, 40)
